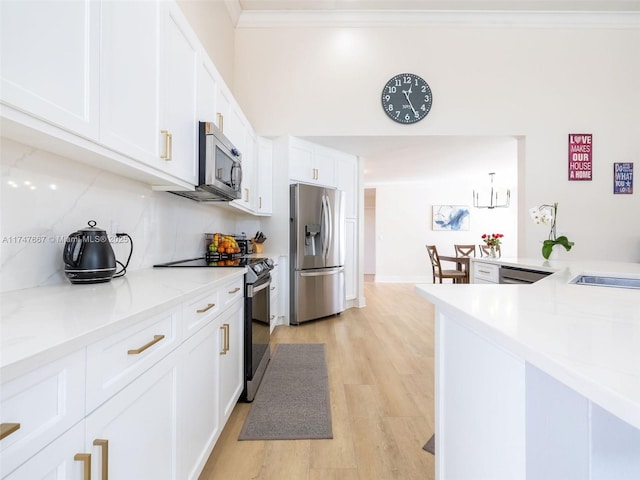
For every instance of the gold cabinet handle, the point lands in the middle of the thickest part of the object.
(225, 341)
(104, 446)
(246, 191)
(7, 429)
(221, 122)
(165, 155)
(208, 307)
(170, 154)
(259, 202)
(136, 351)
(273, 288)
(85, 458)
(233, 291)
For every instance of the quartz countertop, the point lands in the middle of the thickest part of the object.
(44, 323)
(587, 337)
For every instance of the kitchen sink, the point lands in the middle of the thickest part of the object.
(607, 281)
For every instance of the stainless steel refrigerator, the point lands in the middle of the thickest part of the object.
(317, 248)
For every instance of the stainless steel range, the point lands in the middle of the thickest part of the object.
(257, 314)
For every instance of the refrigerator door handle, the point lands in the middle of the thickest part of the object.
(333, 271)
(330, 224)
(326, 227)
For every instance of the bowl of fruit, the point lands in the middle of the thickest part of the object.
(223, 245)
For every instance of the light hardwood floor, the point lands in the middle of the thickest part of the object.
(380, 362)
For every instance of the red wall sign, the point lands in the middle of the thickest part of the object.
(580, 156)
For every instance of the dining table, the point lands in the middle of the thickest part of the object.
(462, 264)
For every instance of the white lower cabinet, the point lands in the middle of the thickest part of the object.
(57, 461)
(351, 258)
(231, 358)
(198, 422)
(37, 409)
(210, 383)
(139, 427)
(146, 402)
(485, 272)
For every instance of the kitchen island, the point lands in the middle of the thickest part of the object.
(538, 381)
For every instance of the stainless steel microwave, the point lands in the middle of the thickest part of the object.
(219, 167)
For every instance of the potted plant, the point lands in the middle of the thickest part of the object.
(548, 214)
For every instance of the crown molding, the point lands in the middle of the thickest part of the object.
(443, 18)
(234, 9)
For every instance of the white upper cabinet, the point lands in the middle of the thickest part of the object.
(130, 69)
(248, 148)
(264, 175)
(148, 85)
(49, 53)
(207, 91)
(179, 61)
(310, 163)
(119, 85)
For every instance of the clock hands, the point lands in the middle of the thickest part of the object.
(406, 94)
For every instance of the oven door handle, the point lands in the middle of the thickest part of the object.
(251, 290)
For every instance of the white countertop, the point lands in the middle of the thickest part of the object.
(41, 324)
(587, 337)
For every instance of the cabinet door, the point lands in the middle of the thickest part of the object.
(50, 54)
(129, 73)
(325, 168)
(179, 66)
(301, 162)
(198, 423)
(41, 405)
(139, 424)
(351, 259)
(231, 358)
(207, 89)
(347, 181)
(264, 177)
(57, 460)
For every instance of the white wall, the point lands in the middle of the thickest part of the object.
(45, 197)
(538, 83)
(404, 227)
(211, 22)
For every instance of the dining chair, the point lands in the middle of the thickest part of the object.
(458, 276)
(485, 249)
(465, 251)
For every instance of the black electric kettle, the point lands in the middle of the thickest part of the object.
(89, 258)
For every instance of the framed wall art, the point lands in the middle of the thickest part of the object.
(450, 217)
(623, 177)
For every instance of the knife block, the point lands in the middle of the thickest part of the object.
(258, 247)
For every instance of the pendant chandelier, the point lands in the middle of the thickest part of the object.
(498, 197)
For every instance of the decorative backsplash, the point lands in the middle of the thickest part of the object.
(45, 197)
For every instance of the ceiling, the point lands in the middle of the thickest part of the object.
(416, 159)
(443, 5)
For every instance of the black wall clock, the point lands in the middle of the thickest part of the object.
(406, 98)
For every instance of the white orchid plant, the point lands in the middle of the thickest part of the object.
(548, 214)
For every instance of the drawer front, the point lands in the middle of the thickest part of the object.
(39, 407)
(200, 311)
(488, 272)
(117, 360)
(231, 292)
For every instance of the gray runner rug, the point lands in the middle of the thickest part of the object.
(292, 402)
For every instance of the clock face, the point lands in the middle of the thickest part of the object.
(406, 98)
